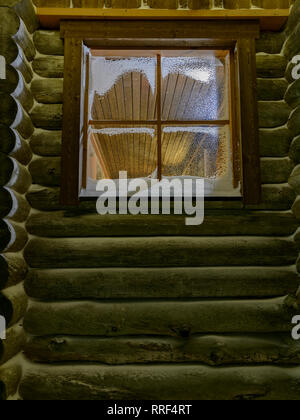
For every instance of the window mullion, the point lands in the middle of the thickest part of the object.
(159, 134)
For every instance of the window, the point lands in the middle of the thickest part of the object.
(163, 113)
(161, 102)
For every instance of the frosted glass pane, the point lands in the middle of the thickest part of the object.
(123, 148)
(195, 151)
(123, 88)
(195, 86)
(200, 152)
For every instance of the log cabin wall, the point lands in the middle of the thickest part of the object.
(128, 307)
(18, 22)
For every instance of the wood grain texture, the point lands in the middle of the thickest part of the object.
(270, 19)
(164, 29)
(212, 350)
(13, 270)
(97, 382)
(168, 318)
(71, 121)
(159, 252)
(159, 283)
(249, 122)
(218, 223)
(274, 197)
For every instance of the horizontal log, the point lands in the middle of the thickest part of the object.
(297, 237)
(6, 202)
(270, 42)
(22, 152)
(13, 115)
(158, 283)
(6, 309)
(24, 40)
(48, 42)
(64, 224)
(18, 238)
(5, 235)
(294, 122)
(291, 46)
(48, 199)
(292, 96)
(13, 344)
(9, 84)
(49, 67)
(13, 304)
(271, 65)
(289, 72)
(46, 171)
(10, 376)
(14, 145)
(169, 318)
(294, 179)
(20, 180)
(276, 170)
(8, 109)
(13, 237)
(295, 150)
(159, 252)
(13, 270)
(23, 94)
(26, 11)
(21, 64)
(273, 113)
(48, 117)
(275, 197)
(8, 139)
(12, 26)
(208, 350)
(14, 55)
(23, 125)
(8, 49)
(271, 89)
(293, 19)
(296, 208)
(46, 143)
(274, 142)
(191, 382)
(48, 91)
(14, 175)
(18, 208)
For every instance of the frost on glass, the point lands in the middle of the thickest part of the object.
(201, 152)
(195, 86)
(123, 88)
(194, 122)
(115, 149)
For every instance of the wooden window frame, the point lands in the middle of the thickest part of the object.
(236, 36)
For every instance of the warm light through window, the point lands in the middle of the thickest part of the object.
(189, 135)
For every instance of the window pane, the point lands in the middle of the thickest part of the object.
(195, 85)
(122, 148)
(203, 152)
(123, 87)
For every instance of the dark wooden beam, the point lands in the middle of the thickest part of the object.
(71, 121)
